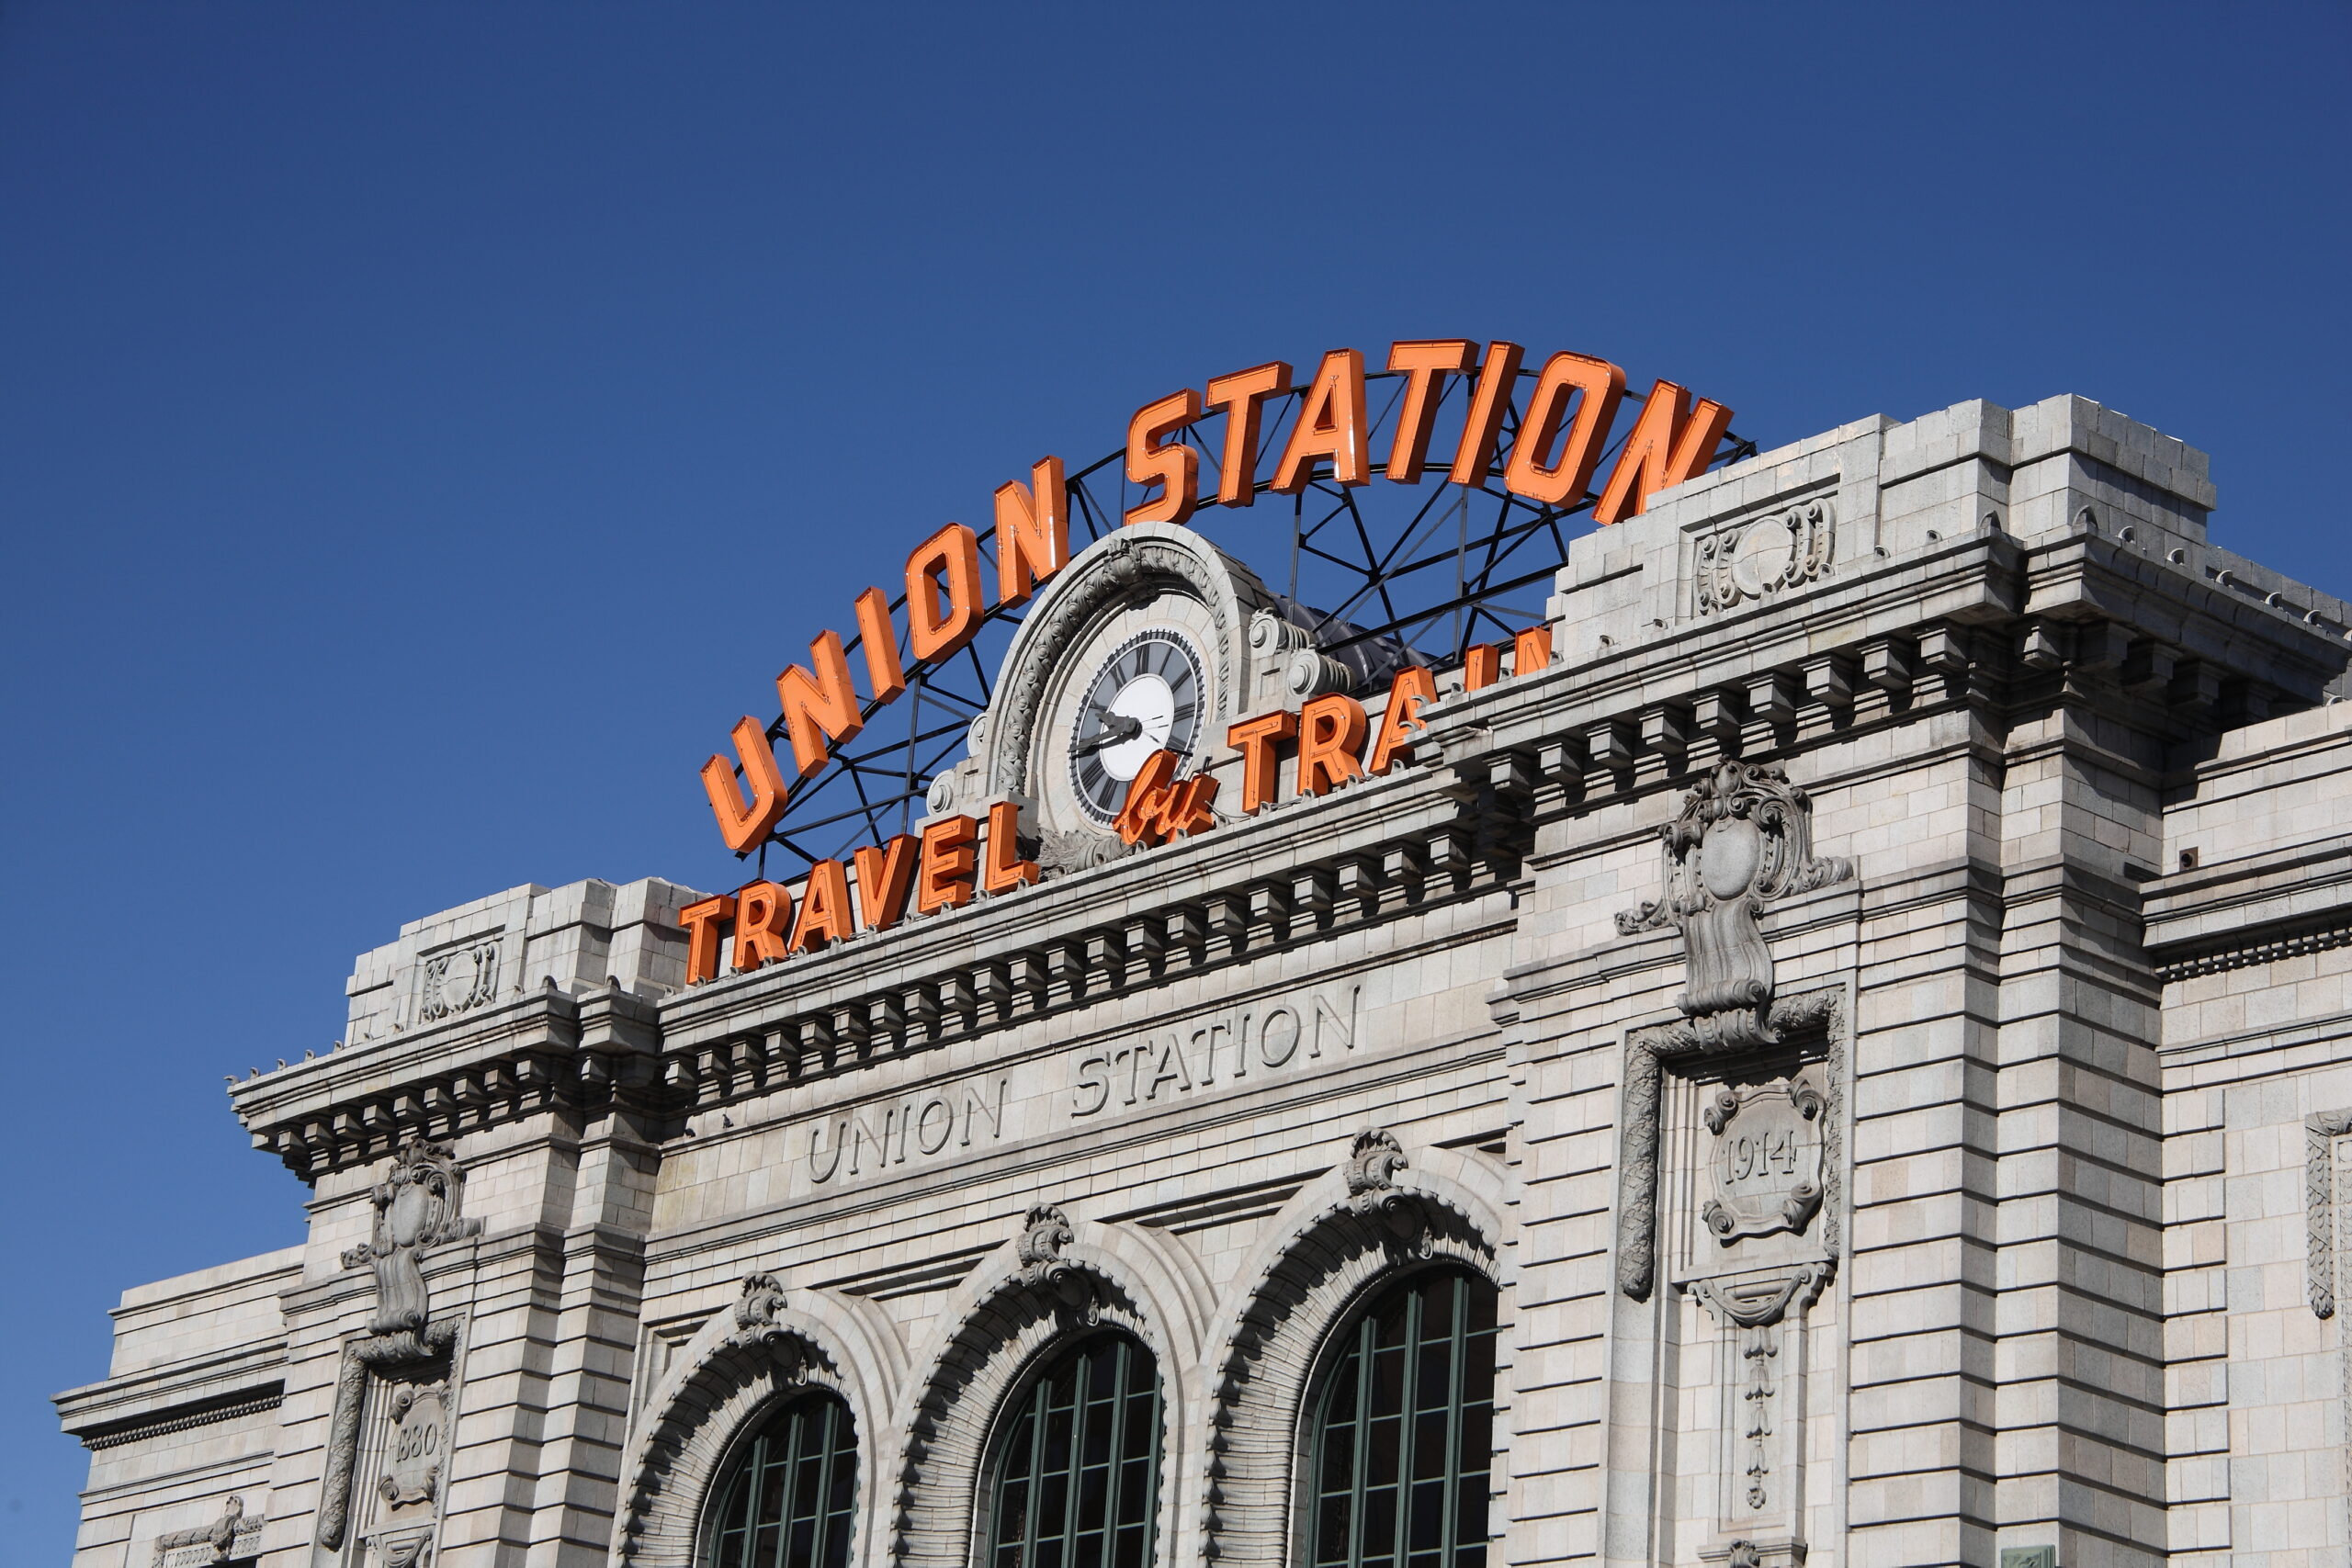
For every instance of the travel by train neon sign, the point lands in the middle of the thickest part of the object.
(1537, 434)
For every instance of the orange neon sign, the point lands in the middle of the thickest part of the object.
(1564, 420)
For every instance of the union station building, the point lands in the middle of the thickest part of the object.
(1826, 1047)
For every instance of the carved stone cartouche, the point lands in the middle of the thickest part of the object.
(416, 1210)
(1744, 839)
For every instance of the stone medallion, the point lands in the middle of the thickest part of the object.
(1767, 1165)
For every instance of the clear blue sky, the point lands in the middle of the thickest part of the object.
(407, 412)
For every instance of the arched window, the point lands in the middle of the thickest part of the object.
(1076, 1482)
(1404, 1430)
(788, 1502)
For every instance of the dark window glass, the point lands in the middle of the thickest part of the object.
(1404, 1431)
(788, 1502)
(1077, 1477)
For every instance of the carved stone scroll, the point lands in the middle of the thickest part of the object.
(1046, 1230)
(1767, 1165)
(1744, 839)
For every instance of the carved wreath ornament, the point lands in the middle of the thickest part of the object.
(1744, 839)
(1750, 561)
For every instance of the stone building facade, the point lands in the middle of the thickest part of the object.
(1865, 1020)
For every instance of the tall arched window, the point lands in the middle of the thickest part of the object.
(1404, 1430)
(789, 1501)
(1076, 1483)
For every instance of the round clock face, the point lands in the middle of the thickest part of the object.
(1145, 695)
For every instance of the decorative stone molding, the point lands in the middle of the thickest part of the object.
(1760, 1396)
(2319, 1133)
(1755, 557)
(773, 1344)
(230, 1536)
(1745, 1302)
(416, 1210)
(1645, 1050)
(187, 1421)
(1744, 839)
(1316, 1262)
(2246, 954)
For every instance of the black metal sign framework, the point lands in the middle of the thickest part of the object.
(1435, 567)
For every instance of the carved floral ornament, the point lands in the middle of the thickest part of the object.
(2320, 1134)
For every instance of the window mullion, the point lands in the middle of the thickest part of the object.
(1449, 1508)
(793, 1430)
(1118, 1456)
(824, 1502)
(1074, 1467)
(1038, 1401)
(1409, 1421)
(1366, 1338)
(751, 1474)
(1151, 1476)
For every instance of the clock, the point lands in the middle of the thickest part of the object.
(1146, 693)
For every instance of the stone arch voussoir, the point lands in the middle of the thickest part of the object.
(748, 1358)
(1325, 1252)
(1005, 1316)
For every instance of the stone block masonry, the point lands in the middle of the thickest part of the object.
(1871, 1015)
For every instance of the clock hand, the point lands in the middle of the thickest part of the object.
(1116, 727)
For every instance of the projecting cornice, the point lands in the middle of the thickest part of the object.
(1978, 562)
